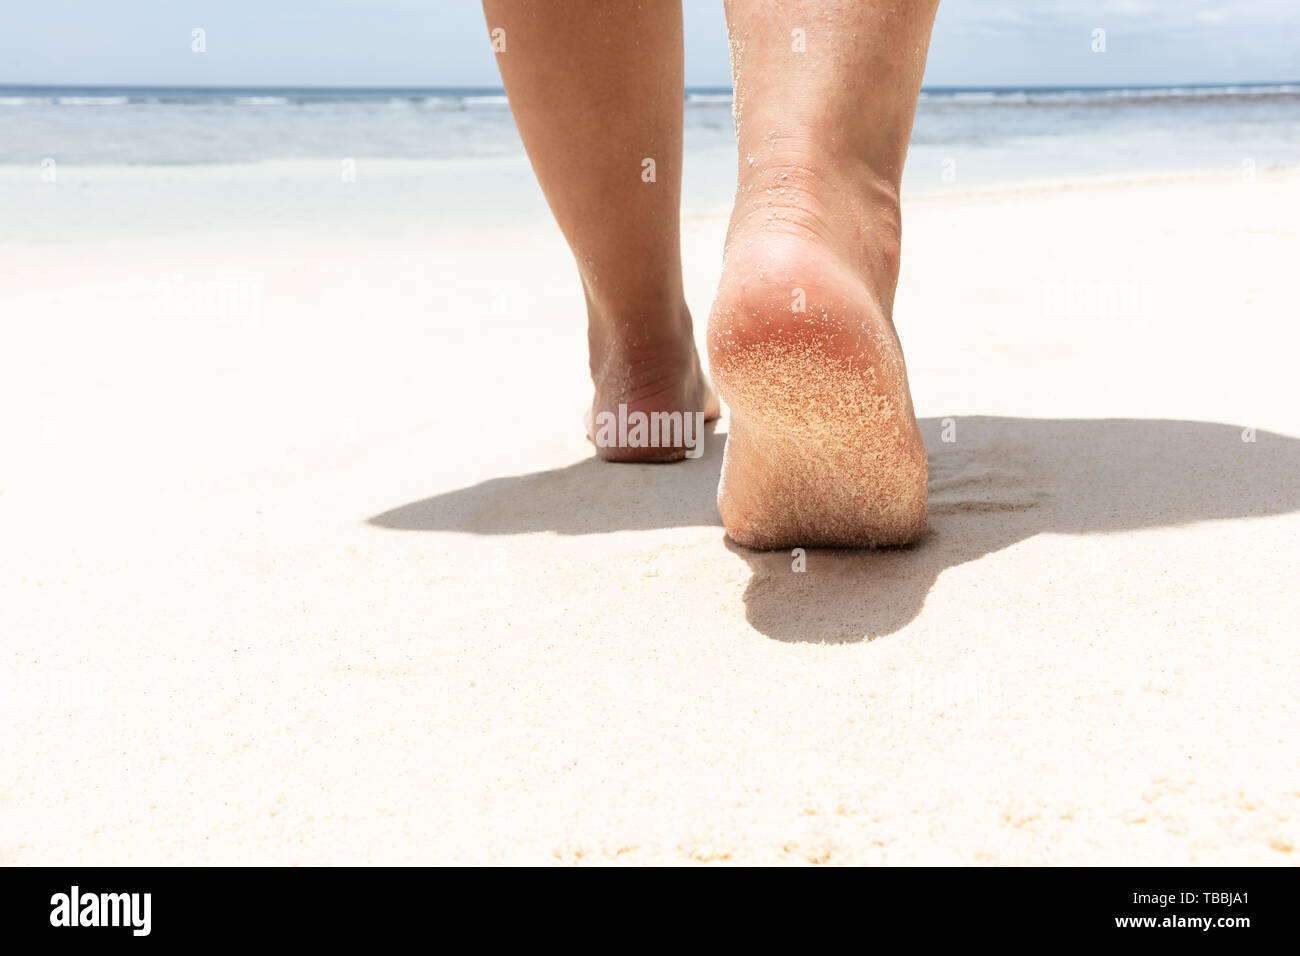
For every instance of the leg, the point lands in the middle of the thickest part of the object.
(596, 89)
(823, 447)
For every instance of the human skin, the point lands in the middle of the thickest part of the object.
(823, 446)
(596, 90)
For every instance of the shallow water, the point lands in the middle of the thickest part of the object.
(964, 138)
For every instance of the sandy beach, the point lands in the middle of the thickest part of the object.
(307, 560)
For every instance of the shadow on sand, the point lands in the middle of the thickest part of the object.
(1001, 481)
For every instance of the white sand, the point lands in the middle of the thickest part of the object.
(212, 654)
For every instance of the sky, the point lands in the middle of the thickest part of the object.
(444, 42)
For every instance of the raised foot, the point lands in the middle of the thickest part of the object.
(823, 447)
(651, 399)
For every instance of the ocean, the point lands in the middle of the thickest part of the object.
(962, 138)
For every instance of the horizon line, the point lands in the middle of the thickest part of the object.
(974, 88)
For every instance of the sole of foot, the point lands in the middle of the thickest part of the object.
(823, 448)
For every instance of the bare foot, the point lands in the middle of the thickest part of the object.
(648, 369)
(823, 447)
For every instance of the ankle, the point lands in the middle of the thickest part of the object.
(789, 184)
(639, 333)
